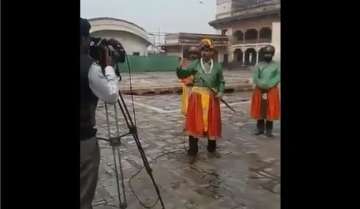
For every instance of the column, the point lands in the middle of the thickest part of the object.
(231, 56)
(221, 55)
(243, 58)
(181, 51)
(257, 56)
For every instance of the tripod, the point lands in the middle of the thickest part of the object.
(115, 142)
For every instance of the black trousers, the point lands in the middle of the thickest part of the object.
(262, 125)
(89, 168)
(193, 145)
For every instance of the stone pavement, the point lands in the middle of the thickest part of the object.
(245, 176)
(167, 82)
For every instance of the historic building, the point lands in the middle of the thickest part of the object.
(249, 25)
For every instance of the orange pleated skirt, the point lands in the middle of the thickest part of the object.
(203, 118)
(272, 104)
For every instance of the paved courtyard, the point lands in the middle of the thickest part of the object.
(167, 82)
(246, 175)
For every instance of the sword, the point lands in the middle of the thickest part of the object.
(215, 92)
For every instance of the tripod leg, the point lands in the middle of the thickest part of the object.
(117, 177)
(114, 155)
(133, 131)
(107, 121)
(131, 126)
(124, 205)
(126, 112)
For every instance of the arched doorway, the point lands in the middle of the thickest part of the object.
(261, 54)
(238, 56)
(238, 36)
(265, 35)
(251, 35)
(250, 56)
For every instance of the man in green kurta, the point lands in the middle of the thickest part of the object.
(214, 78)
(265, 106)
(203, 118)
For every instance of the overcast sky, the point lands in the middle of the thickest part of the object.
(169, 16)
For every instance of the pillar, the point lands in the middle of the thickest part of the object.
(231, 56)
(243, 58)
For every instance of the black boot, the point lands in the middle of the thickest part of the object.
(211, 146)
(269, 128)
(193, 149)
(193, 146)
(260, 127)
(212, 149)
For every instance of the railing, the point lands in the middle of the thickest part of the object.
(240, 9)
(238, 41)
(236, 10)
(264, 40)
(254, 41)
(251, 41)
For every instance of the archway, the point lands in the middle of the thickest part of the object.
(250, 56)
(265, 34)
(238, 36)
(251, 35)
(261, 54)
(238, 56)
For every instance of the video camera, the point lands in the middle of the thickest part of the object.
(100, 46)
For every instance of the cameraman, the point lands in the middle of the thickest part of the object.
(95, 83)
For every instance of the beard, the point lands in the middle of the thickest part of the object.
(267, 59)
(206, 59)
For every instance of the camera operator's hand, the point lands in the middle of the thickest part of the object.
(104, 83)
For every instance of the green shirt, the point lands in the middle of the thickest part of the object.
(266, 75)
(214, 79)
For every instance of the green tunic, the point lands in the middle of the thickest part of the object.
(266, 75)
(214, 79)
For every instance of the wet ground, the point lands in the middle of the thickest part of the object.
(167, 82)
(245, 175)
